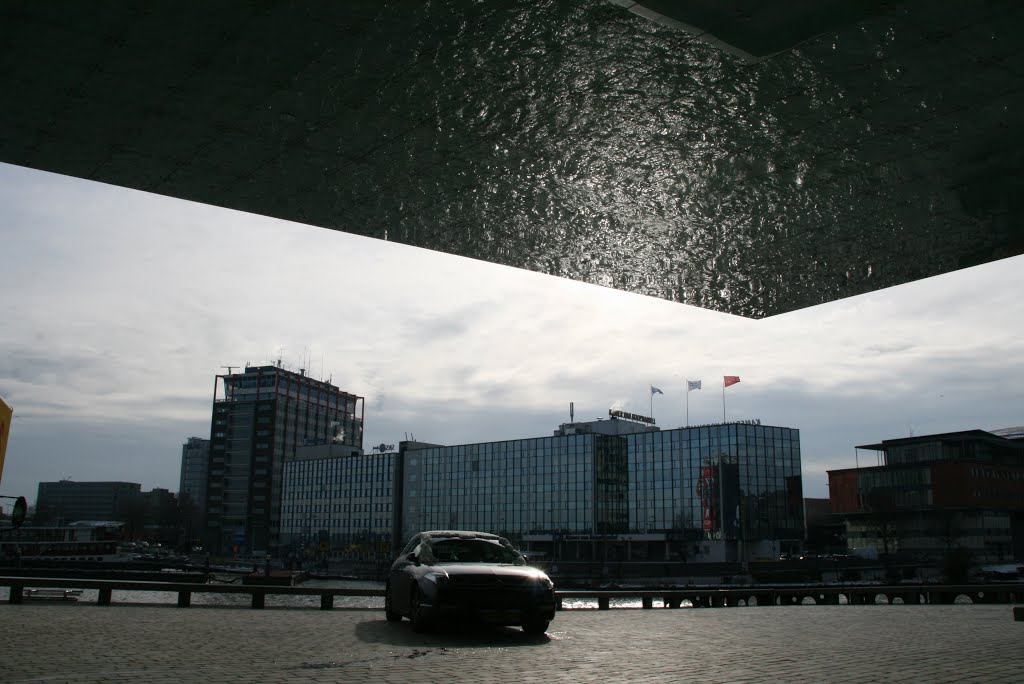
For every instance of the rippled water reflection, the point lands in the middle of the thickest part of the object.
(577, 139)
(570, 137)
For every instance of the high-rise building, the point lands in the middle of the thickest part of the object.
(195, 464)
(261, 416)
(195, 468)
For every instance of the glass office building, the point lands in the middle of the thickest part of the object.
(592, 493)
(712, 493)
(337, 505)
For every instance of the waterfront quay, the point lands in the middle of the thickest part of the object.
(81, 643)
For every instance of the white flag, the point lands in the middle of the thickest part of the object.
(655, 390)
(692, 385)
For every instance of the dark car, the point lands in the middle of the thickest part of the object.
(456, 574)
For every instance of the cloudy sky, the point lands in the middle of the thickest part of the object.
(119, 307)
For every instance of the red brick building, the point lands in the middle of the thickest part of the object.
(935, 493)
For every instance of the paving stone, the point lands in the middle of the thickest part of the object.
(84, 643)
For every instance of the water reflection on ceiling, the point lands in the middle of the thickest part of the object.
(577, 139)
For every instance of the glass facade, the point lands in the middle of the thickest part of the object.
(338, 507)
(720, 492)
(513, 488)
(715, 493)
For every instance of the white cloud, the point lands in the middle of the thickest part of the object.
(119, 307)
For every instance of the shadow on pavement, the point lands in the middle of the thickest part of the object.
(467, 635)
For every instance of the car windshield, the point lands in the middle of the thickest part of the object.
(474, 551)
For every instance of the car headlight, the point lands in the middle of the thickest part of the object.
(437, 577)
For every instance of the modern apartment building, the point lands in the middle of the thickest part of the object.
(932, 494)
(261, 417)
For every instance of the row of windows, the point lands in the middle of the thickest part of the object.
(316, 507)
(992, 473)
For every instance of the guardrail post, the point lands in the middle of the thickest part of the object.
(16, 594)
(184, 599)
(104, 597)
(326, 601)
(258, 599)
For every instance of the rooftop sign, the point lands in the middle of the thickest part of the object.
(631, 416)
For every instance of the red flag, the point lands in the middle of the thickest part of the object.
(731, 380)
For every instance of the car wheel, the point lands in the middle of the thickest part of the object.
(419, 621)
(389, 612)
(536, 627)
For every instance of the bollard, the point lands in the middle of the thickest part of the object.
(16, 593)
(648, 602)
(258, 599)
(326, 601)
(558, 603)
(184, 599)
(1018, 614)
(104, 597)
(602, 603)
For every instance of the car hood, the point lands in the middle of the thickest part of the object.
(458, 569)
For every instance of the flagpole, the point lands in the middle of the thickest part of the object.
(723, 400)
(687, 403)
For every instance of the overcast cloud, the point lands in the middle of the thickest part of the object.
(119, 307)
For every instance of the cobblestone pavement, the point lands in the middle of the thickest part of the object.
(142, 644)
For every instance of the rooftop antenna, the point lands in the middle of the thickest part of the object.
(570, 412)
(230, 368)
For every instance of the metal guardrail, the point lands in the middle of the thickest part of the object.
(184, 590)
(708, 597)
(713, 597)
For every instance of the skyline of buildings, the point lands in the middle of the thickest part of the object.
(619, 488)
